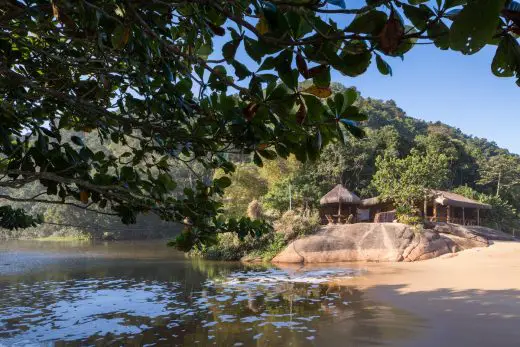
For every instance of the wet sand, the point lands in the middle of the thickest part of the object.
(470, 299)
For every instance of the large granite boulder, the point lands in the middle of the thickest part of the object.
(384, 242)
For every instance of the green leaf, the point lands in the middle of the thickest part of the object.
(370, 23)
(275, 19)
(167, 181)
(383, 66)
(229, 50)
(282, 150)
(453, 3)
(222, 182)
(418, 15)
(283, 67)
(290, 78)
(218, 77)
(241, 70)
(205, 51)
(257, 160)
(253, 49)
(354, 64)
(352, 113)
(77, 140)
(315, 108)
(269, 63)
(351, 96)
(406, 44)
(339, 102)
(267, 154)
(322, 79)
(475, 26)
(352, 128)
(507, 58)
(120, 36)
(299, 26)
(440, 34)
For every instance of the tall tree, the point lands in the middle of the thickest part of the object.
(500, 171)
(407, 181)
(153, 71)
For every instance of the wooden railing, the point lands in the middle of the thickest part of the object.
(340, 219)
(385, 217)
(466, 221)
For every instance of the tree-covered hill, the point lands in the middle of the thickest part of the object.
(480, 166)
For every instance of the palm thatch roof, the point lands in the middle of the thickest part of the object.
(340, 193)
(457, 200)
(371, 202)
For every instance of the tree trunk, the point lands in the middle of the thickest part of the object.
(425, 208)
(498, 183)
(290, 198)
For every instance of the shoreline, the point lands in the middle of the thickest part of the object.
(471, 298)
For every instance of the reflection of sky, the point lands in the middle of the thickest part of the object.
(87, 307)
(84, 309)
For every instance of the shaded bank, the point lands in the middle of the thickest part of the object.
(145, 229)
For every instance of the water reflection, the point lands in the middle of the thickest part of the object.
(174, 301)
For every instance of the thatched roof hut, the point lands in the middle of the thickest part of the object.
(457, 200)
(340, 194)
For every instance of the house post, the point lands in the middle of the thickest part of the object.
(448, 212)
(425, 208)
(434, 211)
(478, 216)
(463, 217)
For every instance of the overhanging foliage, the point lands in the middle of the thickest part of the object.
(184, 82)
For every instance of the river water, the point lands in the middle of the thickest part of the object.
(144, 293)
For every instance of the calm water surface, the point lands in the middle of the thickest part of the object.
(143, 293)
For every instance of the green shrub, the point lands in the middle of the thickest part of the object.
(293, 225)
(289, 227)
(230, 247)
(408, 215)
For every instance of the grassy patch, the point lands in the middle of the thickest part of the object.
(68, 238)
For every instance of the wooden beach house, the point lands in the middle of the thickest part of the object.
(440, 206)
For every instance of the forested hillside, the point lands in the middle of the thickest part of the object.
(71, 219)
(476, 167)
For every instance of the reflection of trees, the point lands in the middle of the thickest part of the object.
(198, 296)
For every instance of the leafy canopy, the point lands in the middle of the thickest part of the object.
(406, 181)
(182, 83)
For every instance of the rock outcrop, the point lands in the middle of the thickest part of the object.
(382, 242)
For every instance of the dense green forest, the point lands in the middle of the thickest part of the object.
(472, 166)
(475, 167)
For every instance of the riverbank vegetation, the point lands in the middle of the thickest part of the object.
(209, 84)
(399, 158)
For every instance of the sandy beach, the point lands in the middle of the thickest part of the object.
(469, 299)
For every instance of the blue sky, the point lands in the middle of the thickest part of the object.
(437, 85)
(459, 90)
